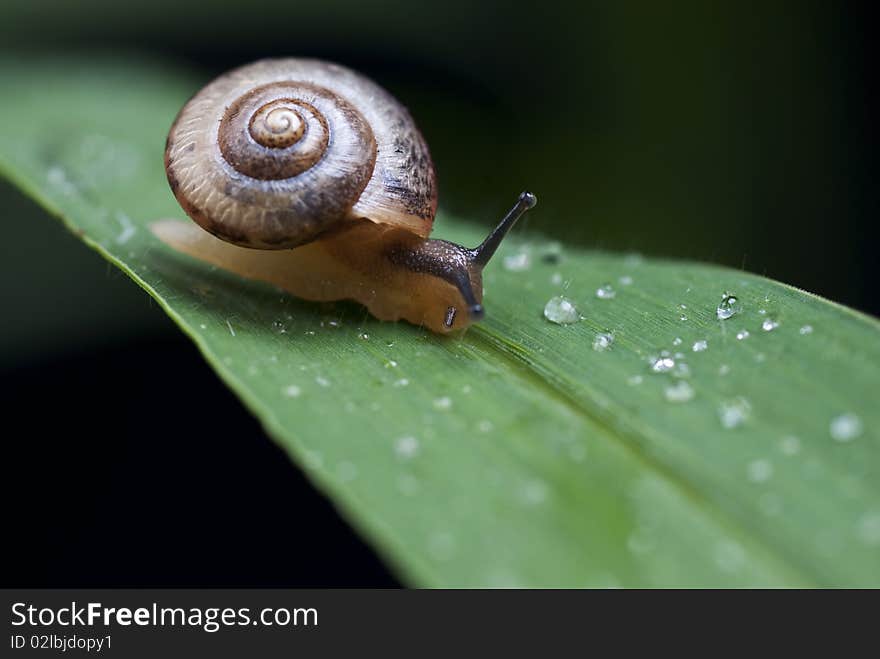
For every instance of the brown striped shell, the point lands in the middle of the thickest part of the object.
(274, 154)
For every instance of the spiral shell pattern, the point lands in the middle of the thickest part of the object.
(274, 154)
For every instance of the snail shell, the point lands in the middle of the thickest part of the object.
(276, 153)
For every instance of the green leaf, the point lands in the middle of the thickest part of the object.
(516, 454)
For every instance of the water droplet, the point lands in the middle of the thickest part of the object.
(625, 280)
(762, 312)
(606, 292)
(869, 528)
(292, 391)
(322, 381)
(769, 325)
(682, 306)
(278, 327)
(680, 392)
(701, 345)
(534, 493)
(57, 177)
(203, 326)
(723, 370)
(846, 427)
(728, 306)
(662, 364)
(556, 278)
(633, 259)
(363, 336)
(402, 382)
(485, 426)
(517, 262)
(806, 329)
(734, 412)
(314, 460)
(128, 229)
(759, 471)
(742, 335)
(790, 445)
(406, 447)
(682, 318)
(634, 380)
(603, 341)
(390, 364)
(677, 341)
(561, 310)
(443, 403)
(551, 252)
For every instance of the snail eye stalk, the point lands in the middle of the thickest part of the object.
(481, 255)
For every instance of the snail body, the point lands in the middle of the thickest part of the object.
(309, 176)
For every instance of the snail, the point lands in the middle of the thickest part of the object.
(309, 176)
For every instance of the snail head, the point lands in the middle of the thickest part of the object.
(460, 267)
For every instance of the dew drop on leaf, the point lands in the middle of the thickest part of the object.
(561, 310)
(680, 392)
(603, 341)
(662, 363)
(606, 292)
(517, 262)
(733, 413)
(728, 307)
(759, 471)
(790, 445)
(406, 447)
(845, 427)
